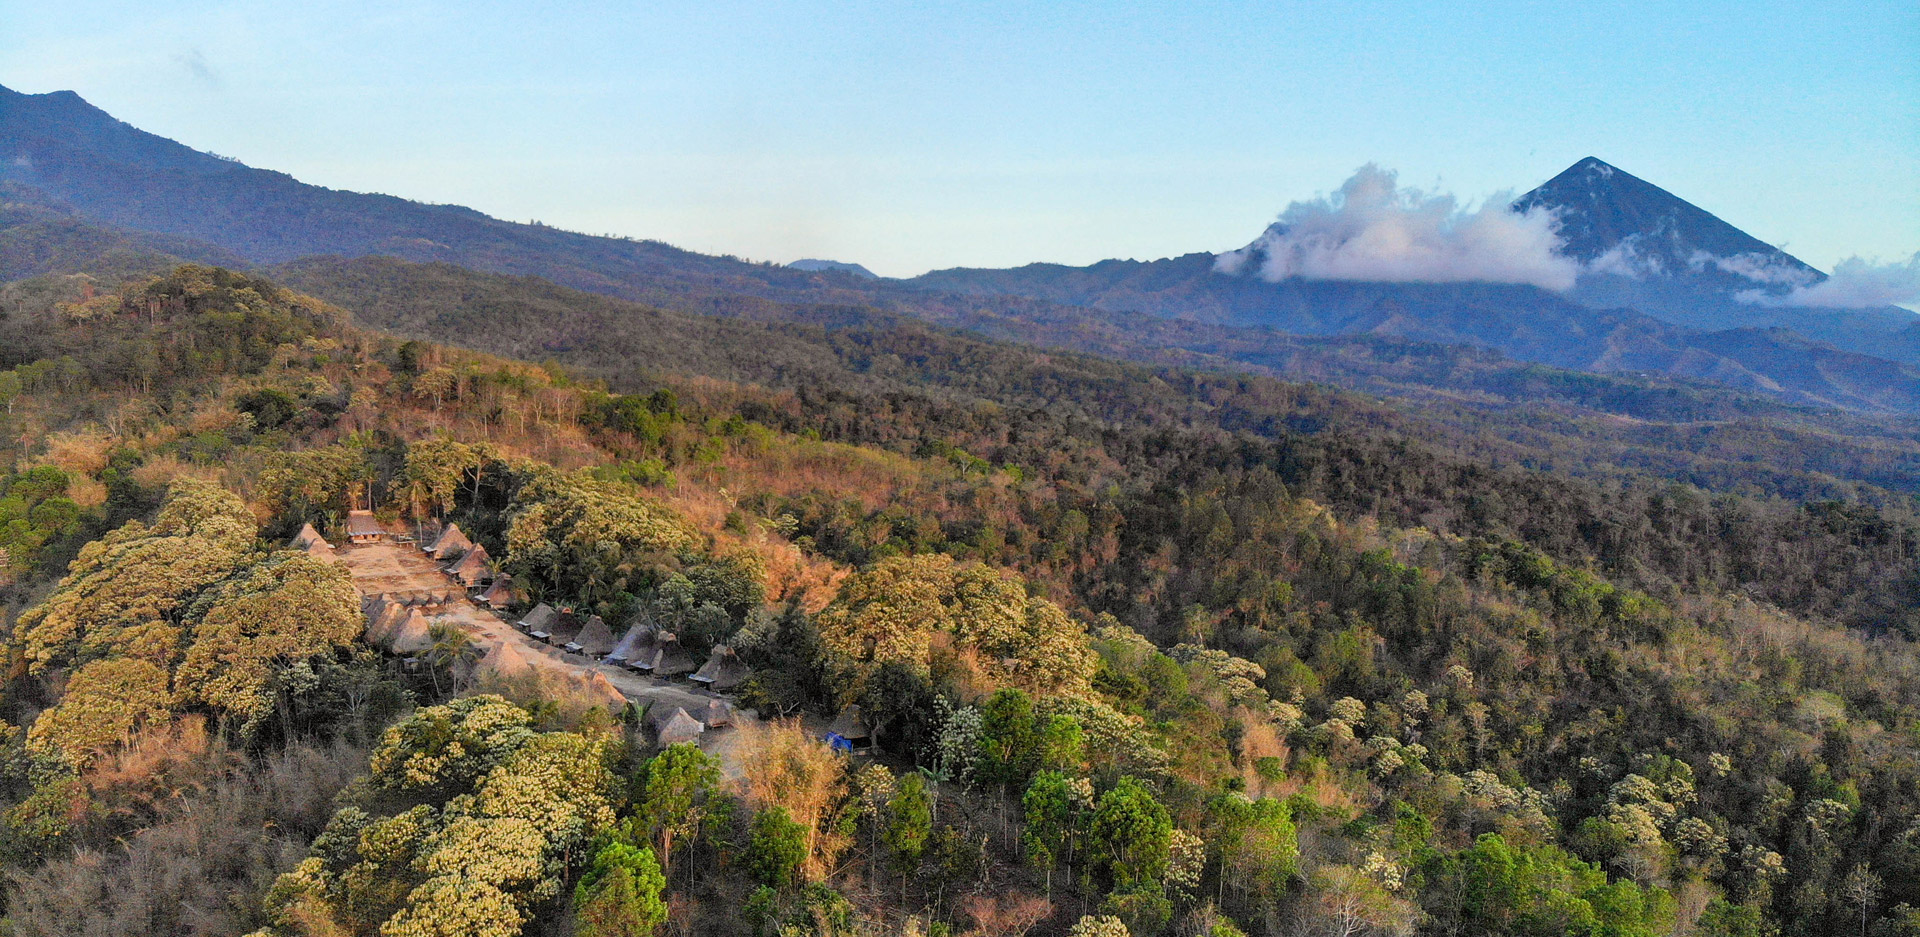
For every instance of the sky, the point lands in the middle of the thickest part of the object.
(910, 136)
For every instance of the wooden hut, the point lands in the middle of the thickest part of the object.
(635, 644)
(538, 621)
(566, 626)
(675, 726)
(723, 670)
(413, 635)
(499, 595)
(506, 661)
(451, 543)
(717, 713)
(310, 541)
(594, 640)
(362, 528)
(849, 731)
(669, 659)
(474, 567)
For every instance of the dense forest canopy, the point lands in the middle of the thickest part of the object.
(1143, 650)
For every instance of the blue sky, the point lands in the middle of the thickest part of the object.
(910, 136)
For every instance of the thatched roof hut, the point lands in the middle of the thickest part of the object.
(500, 594)
(669, 659)
(717, 713)
(538, 621)
(594, 640)
(566, 626)
(597, 687)
(473, 568)
(505, 660)
(412, 636)
(636, 643)
(674, 727)
(849, 730)
(451, 543)
(384, 621)
(363, 528)
(310, 540)
(723, 670)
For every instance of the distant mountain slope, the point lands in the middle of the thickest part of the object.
(39, 235)
(1647, 248)
(1460, 398)
(816, 266)
(110, 173)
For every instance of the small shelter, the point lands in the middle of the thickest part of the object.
(450, 544)
(412, 635)
(717, 713)
(538, 621)
(392, 615)
(597, 687)
(595, 640)
(566, 626)
(310, 540)
(849, 731)
(636, 643)
(669, 659)
(499, 595)
(362, 528)
(475, 567)
(505, 661)
(723, 670)
(675, 726)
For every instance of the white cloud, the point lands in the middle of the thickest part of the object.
(1855, 284)
(1760, 268)
(1372, 229)
(1625, 258)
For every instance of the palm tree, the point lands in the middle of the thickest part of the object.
(451, 648)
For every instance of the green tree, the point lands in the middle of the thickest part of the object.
(1132, 832)
(1009, 744)
(776, 848)
(619, 895)
(677, 787)
(909, 820)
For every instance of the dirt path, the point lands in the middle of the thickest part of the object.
(401, 569)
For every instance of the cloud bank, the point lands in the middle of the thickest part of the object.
(1855, 284)
(1372, 229)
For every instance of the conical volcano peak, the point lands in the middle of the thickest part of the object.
(1617, 222)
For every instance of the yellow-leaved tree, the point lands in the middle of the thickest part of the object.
(895, 609)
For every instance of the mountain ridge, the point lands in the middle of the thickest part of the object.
(113, 174)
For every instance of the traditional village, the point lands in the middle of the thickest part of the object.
(435, 594)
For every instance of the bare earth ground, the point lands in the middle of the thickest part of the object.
(400, 568)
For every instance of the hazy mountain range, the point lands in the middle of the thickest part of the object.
(1661, 291)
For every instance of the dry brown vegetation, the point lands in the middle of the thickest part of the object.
(213, 847)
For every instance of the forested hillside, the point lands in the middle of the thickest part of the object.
(1143, 650)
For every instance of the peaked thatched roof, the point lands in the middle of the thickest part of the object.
(362, 524)
(451, 543)
(594, 640)
(669, 659)
(566, 626)
(412, 635)
(506, 660)
(849, 725)
(637, 641)
(384, 620)
(596, 685)
(717, 713)
(500, 594)
(310, 540)
(724, 670)
(676, 727)
(474, 567)
(539, 619)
